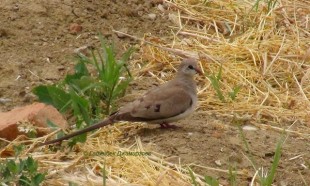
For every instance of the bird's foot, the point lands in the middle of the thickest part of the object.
(168, 126)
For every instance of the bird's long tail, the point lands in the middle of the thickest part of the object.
(100, 124)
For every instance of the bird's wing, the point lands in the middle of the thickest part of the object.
(161, 103)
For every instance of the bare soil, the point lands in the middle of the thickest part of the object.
(36, 47)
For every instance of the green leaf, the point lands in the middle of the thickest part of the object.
(194, 182)
(232, 176)
(32, 165)
(79, 85)
(6, 174)
(104, 176)
(12, 166)
(81, 68)
(219, 74)
(23, 180)
(54, 127)
(80, 138)
(215, 84)
(53, 96)
(72, 184)
(80, 106)
(22, 165)
(275, 163)
(18, 149)
(37, 179)
(211, 181)
(234, 93)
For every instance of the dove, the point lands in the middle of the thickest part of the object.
(169, 102)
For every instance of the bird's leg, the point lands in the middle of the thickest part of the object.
(166, 125)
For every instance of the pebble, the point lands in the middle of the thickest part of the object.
(120, 35)
(75, 28)
(218, 162)
(5, 100)
(161, 8)
(152, 16)
(249, 128)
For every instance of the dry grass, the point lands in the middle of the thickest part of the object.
(266, 52)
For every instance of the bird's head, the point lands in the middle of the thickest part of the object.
(189, 66)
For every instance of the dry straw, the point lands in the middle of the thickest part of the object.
(265, 51)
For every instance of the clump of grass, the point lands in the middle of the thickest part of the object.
(193, 178)
(270, 4)
(209, 180)
(89, 95)
(232, 176)
(216, 84)
(23, 172)
(266, 178)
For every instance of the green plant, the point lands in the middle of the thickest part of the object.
(207, 179)
(266, 178)
(270, 4)
(215, 82)
(88, 95)
(104, 176)
(211, 181)
(24, 172)
(232, 176)
(194, 182)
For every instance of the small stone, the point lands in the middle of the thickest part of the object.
(249, 128)
(120, 35)
(75, 28)
(82, 50)
(218, 162)
(3, 33)
(5, 100)
(61, 67)
(152, 16)
(37, 113)
(161, 8)
(173, 18)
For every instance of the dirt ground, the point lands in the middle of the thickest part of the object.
(36, 47)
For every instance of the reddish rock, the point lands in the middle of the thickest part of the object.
(38, 114)
(75, 28)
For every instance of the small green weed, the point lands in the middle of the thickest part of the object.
(104, 176)
(207, 179)
(194, 182)
(211, 181)
(215, 81)
(88, 95)
(24, 172)
(270, 4)
(266, 178)
(232, 176)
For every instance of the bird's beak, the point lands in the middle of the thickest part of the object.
(198, 71)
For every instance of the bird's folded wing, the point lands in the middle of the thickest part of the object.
(161, 104)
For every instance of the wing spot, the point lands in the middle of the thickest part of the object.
(157, 108)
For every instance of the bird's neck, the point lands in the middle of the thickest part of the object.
(187, 81)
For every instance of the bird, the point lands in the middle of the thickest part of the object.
(169, 102)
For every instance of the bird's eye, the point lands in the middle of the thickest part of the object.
(190, 67)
